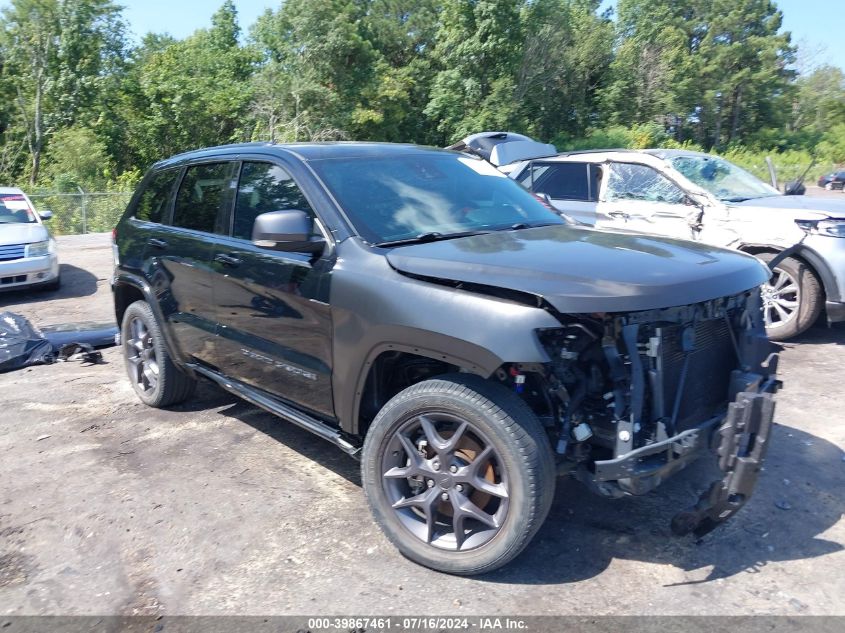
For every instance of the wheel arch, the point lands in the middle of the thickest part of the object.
(128, 288)
(373, 388)
(805, 255)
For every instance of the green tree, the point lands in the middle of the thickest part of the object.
(819, 100)
(564, 61)
(745, 66)
(318, 69)
(55, 53)
(653, 74)
(477, 54)
(78, 159)
(189, 93)
(716, 70)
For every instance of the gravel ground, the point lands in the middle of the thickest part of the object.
(215, 507)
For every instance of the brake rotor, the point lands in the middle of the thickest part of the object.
(467, 452)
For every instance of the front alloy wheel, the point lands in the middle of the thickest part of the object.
(445, 481)
(781, 298)
(459, 473)
(792, 298)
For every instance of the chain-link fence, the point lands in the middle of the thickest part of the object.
(75, 213)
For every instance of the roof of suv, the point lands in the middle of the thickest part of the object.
(673, 153)
(310, 151)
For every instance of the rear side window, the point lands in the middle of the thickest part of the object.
(204, 198)
(152, 204)
(264, 187)
(563, 181)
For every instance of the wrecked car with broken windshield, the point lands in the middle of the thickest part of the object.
(426, 314)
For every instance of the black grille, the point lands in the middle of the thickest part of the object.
(711, 361)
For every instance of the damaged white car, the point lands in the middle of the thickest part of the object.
(694, 196)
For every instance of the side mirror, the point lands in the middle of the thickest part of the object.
(288, 230)
(794, 188)
(46, 214)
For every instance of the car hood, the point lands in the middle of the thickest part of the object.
(580, 270)
(22, 233)
(802, 207)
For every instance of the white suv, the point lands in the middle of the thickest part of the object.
(27, 250)
(694, 196)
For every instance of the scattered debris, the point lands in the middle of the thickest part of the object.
(783, 504)
(42, 437)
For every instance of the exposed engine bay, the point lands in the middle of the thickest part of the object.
(631, 398)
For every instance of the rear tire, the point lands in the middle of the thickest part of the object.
(155, 378)
(792, 298)
(459, 473)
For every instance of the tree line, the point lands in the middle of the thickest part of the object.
(86, 107)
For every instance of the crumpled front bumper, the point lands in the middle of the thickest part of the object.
(740, 440)
(743, 440)
(643, 469)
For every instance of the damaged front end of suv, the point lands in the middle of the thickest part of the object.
(634, 397)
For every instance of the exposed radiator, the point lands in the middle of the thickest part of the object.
(705, 389)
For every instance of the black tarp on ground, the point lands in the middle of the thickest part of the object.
(21, 344)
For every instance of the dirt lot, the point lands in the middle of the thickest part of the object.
(109, 507)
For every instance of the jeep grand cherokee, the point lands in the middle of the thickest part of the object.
(429, 316)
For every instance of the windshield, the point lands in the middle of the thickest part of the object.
(14, 209)
(417, 195)
(724, 180)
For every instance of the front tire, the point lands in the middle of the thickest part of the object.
(459, 473)
(792, 298)
(155, 378)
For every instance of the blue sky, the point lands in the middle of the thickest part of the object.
(818, 24)
(182, 17)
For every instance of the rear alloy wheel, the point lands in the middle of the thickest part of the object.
(459, 473)
(792, 299)
(156, 380)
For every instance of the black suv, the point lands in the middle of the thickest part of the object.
(427, 315)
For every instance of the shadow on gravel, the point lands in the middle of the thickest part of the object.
(820, 333)
(76, 282)
(800, 495)
(300, 440)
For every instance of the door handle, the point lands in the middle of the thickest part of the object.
(157, 243)
(227, 260)
(619, 215)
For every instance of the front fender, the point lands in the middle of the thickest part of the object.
(376, 309)
(819, 252)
